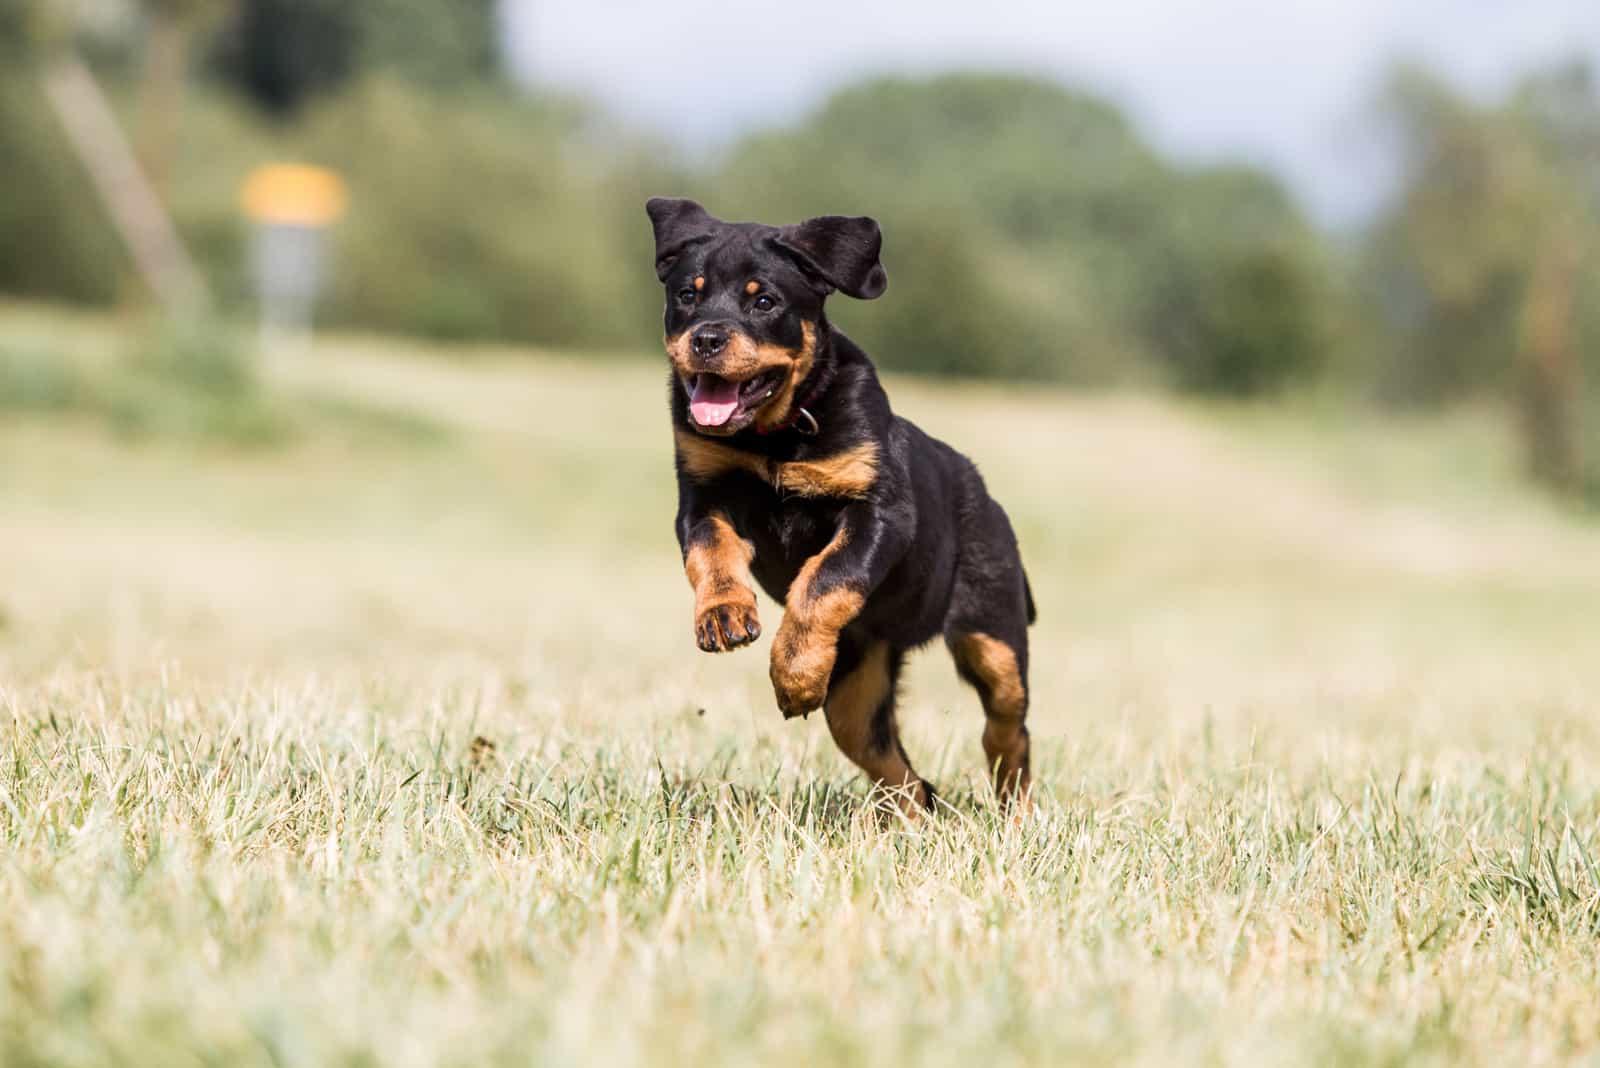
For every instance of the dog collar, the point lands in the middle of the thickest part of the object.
(800, 418)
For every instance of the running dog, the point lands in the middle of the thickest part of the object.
(793, 471)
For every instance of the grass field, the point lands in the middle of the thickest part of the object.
(377, 745)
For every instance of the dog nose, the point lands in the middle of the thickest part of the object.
(709, 340)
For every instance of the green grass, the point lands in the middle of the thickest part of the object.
(360, 750)
(202, 383)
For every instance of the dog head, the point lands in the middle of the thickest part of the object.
(744, 319)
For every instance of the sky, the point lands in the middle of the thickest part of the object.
(1287, 85)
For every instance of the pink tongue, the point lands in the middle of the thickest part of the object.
(714, 400)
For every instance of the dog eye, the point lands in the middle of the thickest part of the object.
(686, 296)
(765, 303)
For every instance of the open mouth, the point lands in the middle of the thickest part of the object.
(723, 405)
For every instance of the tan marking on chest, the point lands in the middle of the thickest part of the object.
(849, 474)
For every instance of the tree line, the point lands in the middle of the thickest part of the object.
(1031, 231)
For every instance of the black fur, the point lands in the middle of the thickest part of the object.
(926, 546)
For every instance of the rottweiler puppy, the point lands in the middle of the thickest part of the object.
(792, 468)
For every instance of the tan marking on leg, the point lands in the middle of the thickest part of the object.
(799, 596)
(1005, 709)
(851, 708)
(718, 569)
(725, 557)
(808, 638)
(805, 648)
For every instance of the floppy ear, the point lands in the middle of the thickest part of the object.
(843, 251)
(678, 223)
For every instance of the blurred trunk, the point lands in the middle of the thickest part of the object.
(1551, 372)
(165, 70)
(132, 204)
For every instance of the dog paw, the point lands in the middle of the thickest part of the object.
(800, 671)
(799, 697)
(722, 628)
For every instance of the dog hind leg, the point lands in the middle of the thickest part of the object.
(999, 673)
(987, 633)
(860, 709)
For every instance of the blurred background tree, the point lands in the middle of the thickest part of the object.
(1481, 270)
(1031, 232)
(55, 240)
(283, 53)
(169, 27)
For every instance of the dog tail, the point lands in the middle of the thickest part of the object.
(1027, 591)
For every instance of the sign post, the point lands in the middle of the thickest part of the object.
(292, 206)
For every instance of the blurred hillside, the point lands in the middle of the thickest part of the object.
(1031, 232)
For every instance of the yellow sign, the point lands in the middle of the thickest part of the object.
(294, 194)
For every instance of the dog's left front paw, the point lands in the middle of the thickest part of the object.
(725, 627)
(801, 665)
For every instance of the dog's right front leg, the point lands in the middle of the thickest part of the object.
(717, 561)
